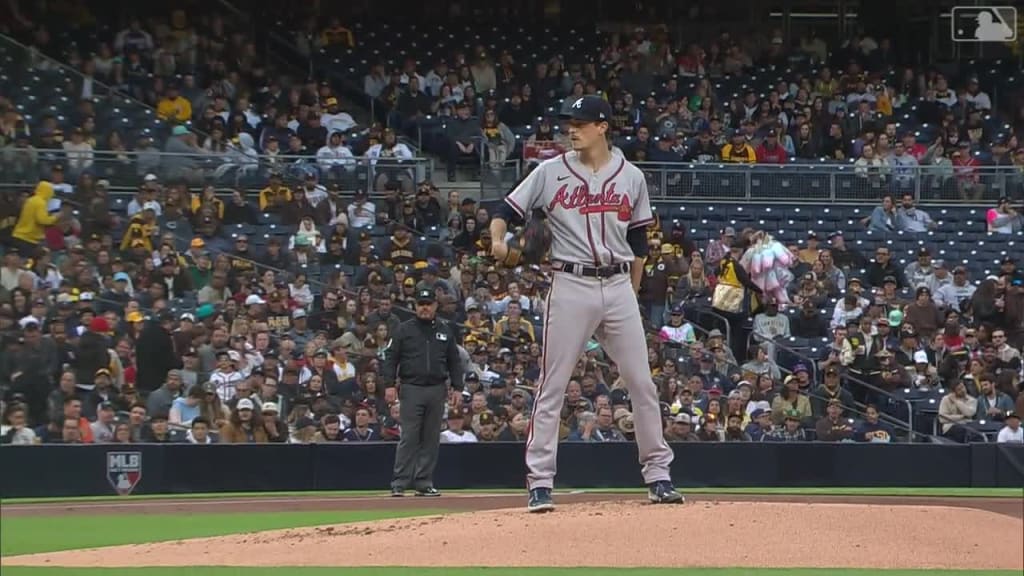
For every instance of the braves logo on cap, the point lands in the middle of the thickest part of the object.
(124, 471)
(578, 104)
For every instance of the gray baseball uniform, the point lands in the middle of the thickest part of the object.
(590, 215)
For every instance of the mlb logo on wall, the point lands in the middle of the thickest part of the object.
(984, 24)
(124, 470)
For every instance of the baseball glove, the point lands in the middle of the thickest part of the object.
(530, 245)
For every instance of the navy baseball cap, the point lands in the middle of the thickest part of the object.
(425, 295)
(587, 109)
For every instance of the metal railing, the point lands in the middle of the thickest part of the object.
(794, 183)
(27, 68)
(829, 182)
(232, 169)
(812, 364)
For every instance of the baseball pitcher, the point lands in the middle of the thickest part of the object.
(597, 209)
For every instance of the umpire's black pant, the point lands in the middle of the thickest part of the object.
(421, 411)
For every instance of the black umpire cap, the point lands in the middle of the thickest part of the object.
(425, 296)
(589, 108)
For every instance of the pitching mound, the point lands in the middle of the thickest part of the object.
(611, 534)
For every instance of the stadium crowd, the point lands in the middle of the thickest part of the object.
(195, 314)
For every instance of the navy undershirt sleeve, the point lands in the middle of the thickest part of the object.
(508, 214)
(637, 238)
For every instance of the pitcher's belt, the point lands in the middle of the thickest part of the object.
(591, 271)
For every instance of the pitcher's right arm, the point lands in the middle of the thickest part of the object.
(519, 202)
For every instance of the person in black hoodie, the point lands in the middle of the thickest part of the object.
(93, 352)
(238, 211)
(337, 251)
(428, 208)
(833, 145)
(514, 114)
(155, 350)
(312, 133)
(274, 257)
(279, 129)
(703, 149)
(103, 392)
(809, 323)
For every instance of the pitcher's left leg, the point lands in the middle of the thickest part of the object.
(622, 336)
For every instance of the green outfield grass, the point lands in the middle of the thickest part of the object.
(31, 534)
(880, 491)
(213, 571)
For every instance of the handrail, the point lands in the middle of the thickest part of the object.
(230, 169)
(350, 293)
(707, 308)
(814, 366)
(714, 168)
(791, 183)
(814, 181)
(897, 423)
(814, 167)
(110, 90)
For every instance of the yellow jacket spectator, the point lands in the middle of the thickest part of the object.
(477, 328)
(524, 335)
(138, 231)
(174, 106)
(35, 217)
(275, 195)
(335, 33)
(739, 151)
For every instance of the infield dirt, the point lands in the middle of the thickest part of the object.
(616, 531)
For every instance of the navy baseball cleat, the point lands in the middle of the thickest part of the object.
(664, 493)
(540, 500)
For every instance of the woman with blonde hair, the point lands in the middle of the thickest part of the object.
(695, 283)
(212, 408)
(240, 327)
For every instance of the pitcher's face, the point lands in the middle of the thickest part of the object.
(584, 135)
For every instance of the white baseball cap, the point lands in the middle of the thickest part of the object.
(150, 178)
(920, 357)
(245, 404)
(254, 299)
(28, 320)
(271, 407)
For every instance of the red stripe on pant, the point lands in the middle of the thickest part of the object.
(542, 377)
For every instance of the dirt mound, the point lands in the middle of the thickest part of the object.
(612, 534)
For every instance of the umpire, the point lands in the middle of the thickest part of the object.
(423, 355)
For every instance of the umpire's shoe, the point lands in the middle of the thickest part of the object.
(429, 492)
(664, 493)
(397, 492)
(540, 500)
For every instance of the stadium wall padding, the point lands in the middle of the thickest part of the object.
(63, 471)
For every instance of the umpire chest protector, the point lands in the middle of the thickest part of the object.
(424, 351)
